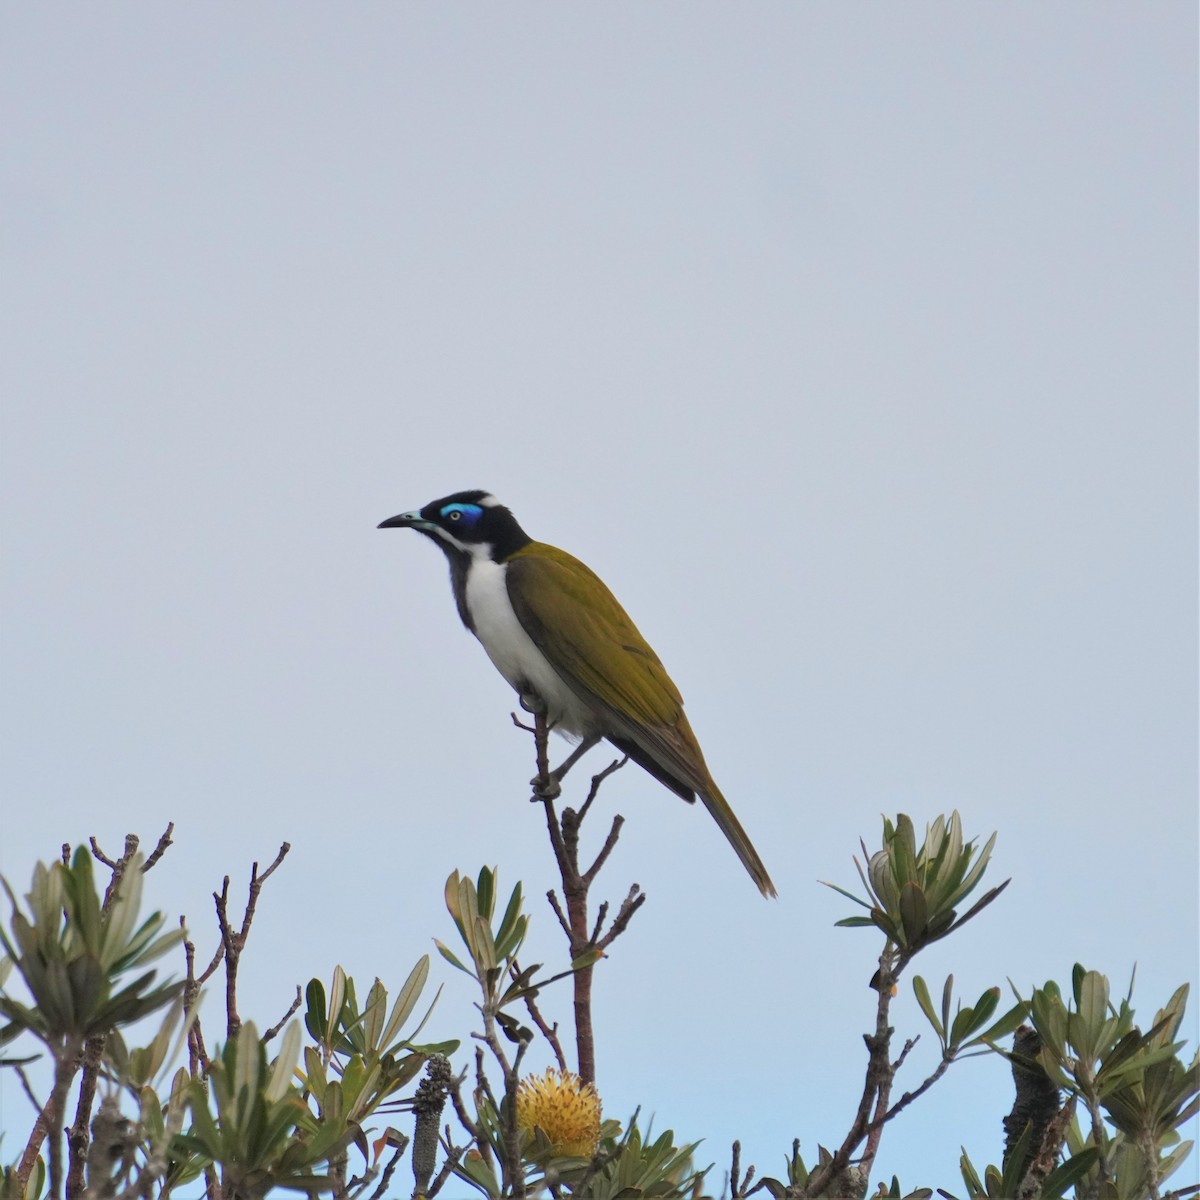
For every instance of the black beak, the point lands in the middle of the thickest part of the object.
(406, 520)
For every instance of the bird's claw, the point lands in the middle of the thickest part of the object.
(546, 788)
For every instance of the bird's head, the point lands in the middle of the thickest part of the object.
(475, 524)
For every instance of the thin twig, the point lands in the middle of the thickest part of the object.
(597, 780)
(521, 724)
(234, 943)
(878, 1076)
(118, 868)
(161, 849)
(460, 1109)
(609, 843)
(915, 1094)
(274, 1030)
(552, 896)
(601, 917)
(564, 841)
(632, 902)
(198, 1060)
(453, 1154)
(37, 1104)
(66, 1064)
(737, 1191)
(388, 1170)
(41, 1127)
(79, 1134)
(883, 1114)
(99, 854)
(541, 741)
(549, 1032)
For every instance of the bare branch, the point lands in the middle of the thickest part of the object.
(274, 1030)
(453, 1154)
(830, 1176)
(609, 843)
(598, 779)
(582, 935)
(632, 902)
(37, 1104)
(233, 943)
(79, 1134)
(98, 854)
(541, 738)
(558, 912)
(460, 1109)
(283, 853)
(739, 1189)
(198, 1060)
(388, 1171)
(908, 1045)
(601, 916)
(41, 1127)
(549, 1032)
(161, 849)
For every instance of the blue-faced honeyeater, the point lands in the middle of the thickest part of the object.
(560, 638)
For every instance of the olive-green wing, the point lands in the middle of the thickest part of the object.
(588, 637)
(576, 622)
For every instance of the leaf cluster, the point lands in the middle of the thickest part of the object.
(913, 893)
(73, 955)
(1133, 1089)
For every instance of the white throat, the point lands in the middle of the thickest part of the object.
(512, 650)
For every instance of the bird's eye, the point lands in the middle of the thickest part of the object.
(465, 514)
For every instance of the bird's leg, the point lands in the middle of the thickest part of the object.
(588, 742)
(551, 789)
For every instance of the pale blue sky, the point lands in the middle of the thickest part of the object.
(853, 346)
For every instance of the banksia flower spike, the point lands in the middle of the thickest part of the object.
(566, 1110)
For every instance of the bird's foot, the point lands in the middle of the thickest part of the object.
(546, 788)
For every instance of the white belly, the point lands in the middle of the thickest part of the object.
(512, 650)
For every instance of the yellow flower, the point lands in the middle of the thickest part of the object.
(565, 1109)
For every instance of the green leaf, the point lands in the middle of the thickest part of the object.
(337, 999)
(921, 991)
(453, 894)
(913, 913)
(373, 1015)
(849, 896)
(406, 999)
(1067, 1174)
(982, 1013)
(485, 892)
(1009, 1023)
(1091, 995)
(508, 923)
(285, 1064)
(451, 957)
(483, 946)
(314, 1017)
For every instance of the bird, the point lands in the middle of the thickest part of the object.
(566, 646)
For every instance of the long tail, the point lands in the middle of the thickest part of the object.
(731, 827)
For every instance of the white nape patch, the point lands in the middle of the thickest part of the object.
(512, 650)
(488, 502)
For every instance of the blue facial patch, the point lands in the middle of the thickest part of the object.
(468, 514)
